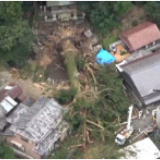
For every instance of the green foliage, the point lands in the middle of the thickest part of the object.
(109, 103)
(80, 62)
(39, 73)
(105, 15)
(66, 96)
(6, 152)
(123, 53)
(134, 23)
(15, 33)
(152, 10)
(64, 150)
(116, 96)
(10, 11)
(110, 39)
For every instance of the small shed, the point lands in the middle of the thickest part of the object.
(104, 57)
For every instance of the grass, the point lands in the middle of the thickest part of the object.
(107, 41)
(65, 148)
(101, 151)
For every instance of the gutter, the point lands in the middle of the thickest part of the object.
(6, 134)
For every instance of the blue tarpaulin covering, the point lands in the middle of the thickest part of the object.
(104, 57)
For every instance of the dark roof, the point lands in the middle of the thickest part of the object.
(140, 36)
(13, 93)
(145, 75)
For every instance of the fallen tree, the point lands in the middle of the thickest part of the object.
(69, 53)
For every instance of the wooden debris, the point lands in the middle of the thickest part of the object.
(88, 33)
(38, 86)
(15, 73)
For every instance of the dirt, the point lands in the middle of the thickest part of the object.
(56, 70)
(26, 85)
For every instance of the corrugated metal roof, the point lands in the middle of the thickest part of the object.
(59, 3)
(145, 74)
(140, 36)
(8, 104)
(14, 92)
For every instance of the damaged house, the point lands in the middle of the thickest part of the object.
(36, 131)
(142, 77)
(8, 103)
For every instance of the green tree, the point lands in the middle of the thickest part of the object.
(15, 33)
(152, 10)
(6, 152)
(105, 15)
(66, 96)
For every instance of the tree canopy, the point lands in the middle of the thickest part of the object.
(15, 33)
(152, 10)
(105, 15)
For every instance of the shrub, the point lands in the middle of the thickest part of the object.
(66, 96)
(80, 62)
(123, 53)
(134, 23)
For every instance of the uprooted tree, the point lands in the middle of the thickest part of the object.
(100, 102)
(98, 109)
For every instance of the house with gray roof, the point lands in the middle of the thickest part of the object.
(142, 76)
(36, 130)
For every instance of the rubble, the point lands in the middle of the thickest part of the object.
(88, 33)
(97, 48)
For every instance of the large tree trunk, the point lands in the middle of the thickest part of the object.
(70, 52)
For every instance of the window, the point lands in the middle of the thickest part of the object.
(18, 146)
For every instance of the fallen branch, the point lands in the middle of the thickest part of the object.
(91, 72)
(74, 146)
(95, 124)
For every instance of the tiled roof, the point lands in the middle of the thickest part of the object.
(140, 36)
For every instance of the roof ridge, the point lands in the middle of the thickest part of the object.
(133, 34)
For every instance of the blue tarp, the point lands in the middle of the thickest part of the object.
(104, 56)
